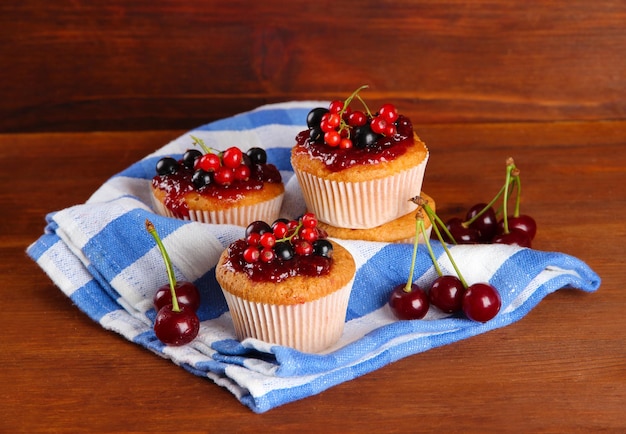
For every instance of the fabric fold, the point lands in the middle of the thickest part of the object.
(99, 254)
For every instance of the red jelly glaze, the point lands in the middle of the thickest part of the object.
(386, 149)
(277, 270)
(179, 184)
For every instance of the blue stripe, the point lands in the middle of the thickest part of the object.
(259, 118)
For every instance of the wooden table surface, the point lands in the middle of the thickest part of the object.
(562, 368)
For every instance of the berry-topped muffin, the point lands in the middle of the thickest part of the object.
(353, 165)
(229, 187)
(287, 284)
(400, 230)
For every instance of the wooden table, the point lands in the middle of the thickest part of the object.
(561, 368)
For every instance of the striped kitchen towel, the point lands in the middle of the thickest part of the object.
(99, 254)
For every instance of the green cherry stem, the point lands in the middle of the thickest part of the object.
(510, 165)
(435, 220)
(419, 218)
(168, 264)
(518, 184)
(422, 229)
(431, 214)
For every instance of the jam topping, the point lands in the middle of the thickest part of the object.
(278, 269)
(384, 149)
(176, 185)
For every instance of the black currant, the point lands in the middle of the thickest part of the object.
(258, 227)
(314, 118)
(365, 137)
(257, 155)
(202, 178)
(190, 157)
(323, 248)
(166, 166)
(284, 250)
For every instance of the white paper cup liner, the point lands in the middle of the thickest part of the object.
(240, 216)
(362, 205)
(309, 327)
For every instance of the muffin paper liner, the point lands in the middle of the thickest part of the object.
(362, 205)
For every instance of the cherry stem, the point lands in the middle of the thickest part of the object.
(431, 215)
(168, 264)
(510, 166)
(422, 228)
(517, 180)
(409, 282)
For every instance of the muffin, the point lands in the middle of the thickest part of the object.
(400, 230)
(287, 284)
(227, 187)
(353, 175)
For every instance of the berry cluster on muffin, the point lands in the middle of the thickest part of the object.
(224, 187)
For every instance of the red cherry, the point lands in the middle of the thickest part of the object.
(481, 302)
(461, 234)
(187, 295)
(524, 223)
(486, 224)
(446, 293)
(232, 157)
(176, 328)
(514, 237)
(408, 305)
(208, 162)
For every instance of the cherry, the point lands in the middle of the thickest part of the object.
(481, 302)
(175, 323)
(408, 305)
(446, 293)
(513, 237)
(186, 292)
(523, 223)
(176, 327)
(461, 234)
(483, 219)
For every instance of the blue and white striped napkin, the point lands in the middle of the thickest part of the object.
(99, 254)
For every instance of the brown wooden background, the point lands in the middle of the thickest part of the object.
(85, 65)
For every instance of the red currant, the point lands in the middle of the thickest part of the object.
(251, 254)
(253, 239)
(309, 220)
(345, 143)
(303, 248)
(208, 162)
(378, 125)
(332, 138)
(357, 119)
(388, 112)
(309, 234)
(333, 120)
(335, 106)
(267, 255)
(242, 173)
(390, 130)
(232, 157)
(267, 240)
(224, 176)
(280, 229)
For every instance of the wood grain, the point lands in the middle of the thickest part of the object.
(78, 65)
(562, 368)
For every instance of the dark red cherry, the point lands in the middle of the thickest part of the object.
(524, 223)
(486, 224)
(446, 293)
(408, 305)
(461, 234)
(481, 302)
(186, 292)
(514, 237)
(176, 328)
